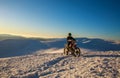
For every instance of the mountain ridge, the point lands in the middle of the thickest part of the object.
(22, 46)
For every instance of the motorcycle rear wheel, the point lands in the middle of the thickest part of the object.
(77, 52)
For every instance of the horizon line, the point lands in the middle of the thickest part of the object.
(52, 37)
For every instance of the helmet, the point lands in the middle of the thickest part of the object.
(69, 34)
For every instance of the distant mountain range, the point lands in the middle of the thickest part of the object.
(16, 45)
(7, 36)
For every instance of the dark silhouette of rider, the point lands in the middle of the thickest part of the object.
(70, 39)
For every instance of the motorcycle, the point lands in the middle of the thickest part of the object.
(72, 49)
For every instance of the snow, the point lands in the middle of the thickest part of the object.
(86, 41)
(52, 63)
(45, 59)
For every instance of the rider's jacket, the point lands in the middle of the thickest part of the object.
(69, 38)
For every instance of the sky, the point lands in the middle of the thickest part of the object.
(56, 18)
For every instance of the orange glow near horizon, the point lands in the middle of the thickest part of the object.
(28, 34)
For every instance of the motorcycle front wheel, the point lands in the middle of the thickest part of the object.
(77, 52)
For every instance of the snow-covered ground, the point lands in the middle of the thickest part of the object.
(51, 63)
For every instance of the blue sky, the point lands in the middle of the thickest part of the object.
(55, 18)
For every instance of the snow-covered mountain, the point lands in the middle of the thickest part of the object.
(16, 46)
(44, 58)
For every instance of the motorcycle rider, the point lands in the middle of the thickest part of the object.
(70, 39)
(71, 46)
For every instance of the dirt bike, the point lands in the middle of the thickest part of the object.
(72, 49)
